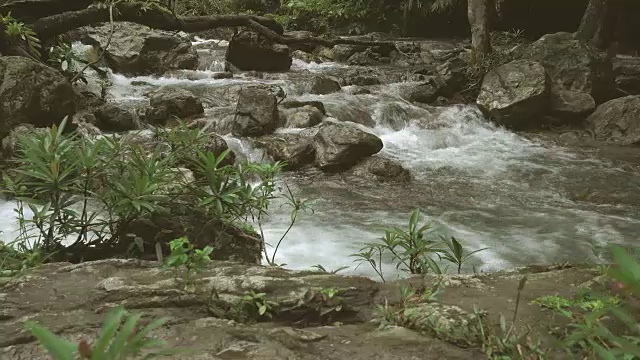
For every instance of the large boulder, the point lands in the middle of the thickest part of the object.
(571, 104)
(256, 113)
(295, 150)
(111, 117)
(251, 51)
(617, 121)
(627, 72)
(339, 147)
(574, 65)
(168, 102)
(139, 50)
(515, 93)
(32, 93)
(301, 117)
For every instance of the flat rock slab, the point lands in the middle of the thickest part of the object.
(72, 300)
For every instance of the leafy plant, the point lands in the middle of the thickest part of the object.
(259, 305)
(15, 29)
(184, 255)
(85, 193)
(335, 271)
(122, 337)
(412, 251)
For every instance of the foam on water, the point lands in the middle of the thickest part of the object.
(474, 180)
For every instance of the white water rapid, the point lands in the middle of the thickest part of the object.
(485, 185)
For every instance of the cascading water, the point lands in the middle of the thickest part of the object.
(485, 185)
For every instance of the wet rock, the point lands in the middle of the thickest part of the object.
(393, 116)
(169, 102)
(571, 104)
(360, 80)
(307, 47)
(228, 241)
(425, 93)
(381, 170)
(250, 51)
(342, 53)
(322, 85)
(292, 104)
(111, 117)
(256, 113)
(324, 53)
(302, 117)
(574, 65)
(627, 73)
(451, 76)
(11, 142)
(364, 58)
(339, 147)
(139, 50)
(305, 56)
(87, 130)
(32, 93)
(617, 121)
(352, 113)
(294, 149)
(515, 93)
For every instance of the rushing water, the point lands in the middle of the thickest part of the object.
(485, 185)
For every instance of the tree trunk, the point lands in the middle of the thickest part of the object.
(479, 13)
(598, 25)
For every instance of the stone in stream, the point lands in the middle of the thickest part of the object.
(139, 50)
(32, 93)
(292, 104)
(617, 121)
(568, 104)
(393, 116)
(256, 113)
(515, 94)
(322, 85)
(381, 170)
(340, 146)
(111, 117)
(301, 117)
(574, 65)
(168, 102)
(251, 51)
(296, 150)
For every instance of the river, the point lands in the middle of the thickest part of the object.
(521, 196)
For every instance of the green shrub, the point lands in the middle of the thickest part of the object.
(88, 191)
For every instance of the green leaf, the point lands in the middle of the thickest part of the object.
(57, 347)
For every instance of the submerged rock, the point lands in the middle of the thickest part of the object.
(617, 121)
(514, 94)
(139, 50)
(381, 170)
(251, 51)
(339, 147)
(32, 93)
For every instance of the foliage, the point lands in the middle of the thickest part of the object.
(122, 337)
(258, 305)
(86, 192)
(413, 251)
(17, 30)
(318, 306)
(324, 270)
(184, 255)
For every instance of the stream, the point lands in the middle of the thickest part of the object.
(521, 196)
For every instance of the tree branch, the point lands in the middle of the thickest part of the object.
(54, 25)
